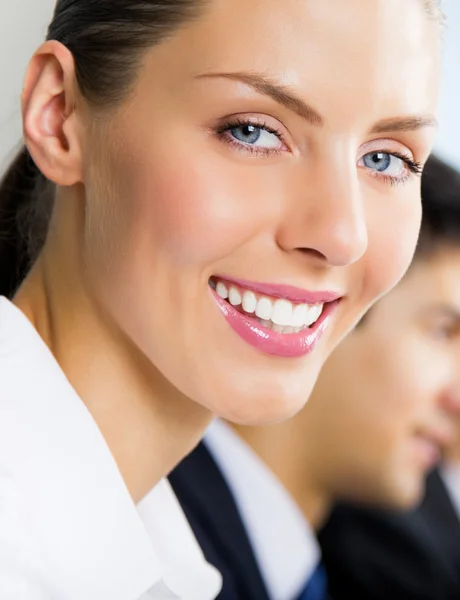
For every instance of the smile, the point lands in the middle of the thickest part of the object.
(278, 320)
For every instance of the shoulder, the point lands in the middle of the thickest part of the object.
(380, 554)
(23, 572)
(22, 568)
(32, 385)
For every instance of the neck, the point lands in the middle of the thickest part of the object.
(316, 504)
(148, 425)
(285, 450)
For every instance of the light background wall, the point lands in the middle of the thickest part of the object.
(448, 141)
(23, 25)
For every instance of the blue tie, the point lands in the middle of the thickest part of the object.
(316, 588)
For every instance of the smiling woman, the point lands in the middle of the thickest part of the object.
(211, 194)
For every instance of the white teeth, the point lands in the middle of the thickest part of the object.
(282, 328)
(249, 302)
(282, 313)
(221, 290)
(234, 296)
(264, 309)
(314, 313)
(319, 310)
(311, 316)
(299, 315)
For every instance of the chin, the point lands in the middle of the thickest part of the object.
(387, 491)
(405, 493)
(413, 497)
(266, 406)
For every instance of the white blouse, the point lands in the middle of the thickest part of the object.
(69, 529)
(450, 475)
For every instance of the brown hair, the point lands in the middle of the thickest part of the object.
(107, 39)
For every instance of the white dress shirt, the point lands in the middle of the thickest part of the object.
(69, 529)
(450, 474)
(284, 544)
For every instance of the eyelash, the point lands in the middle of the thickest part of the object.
(414, 167)
(241, 122)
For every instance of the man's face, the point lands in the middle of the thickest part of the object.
(386, 399)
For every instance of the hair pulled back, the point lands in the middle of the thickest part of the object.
(107, 39)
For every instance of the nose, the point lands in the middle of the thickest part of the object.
(327, 219)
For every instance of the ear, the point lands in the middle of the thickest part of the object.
(50, 124)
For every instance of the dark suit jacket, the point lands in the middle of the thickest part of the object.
(376, 555)
(212, 513)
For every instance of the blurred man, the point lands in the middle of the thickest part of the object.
(375, 425)
(380, 554)
(376, 554)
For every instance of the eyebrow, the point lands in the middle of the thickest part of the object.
(405, 124)
(284, 96)
(279, 93)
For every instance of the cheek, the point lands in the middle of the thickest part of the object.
(384, 386)
(403, 395)
(194, 208)
(392, 232)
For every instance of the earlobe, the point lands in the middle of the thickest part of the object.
(49, 119)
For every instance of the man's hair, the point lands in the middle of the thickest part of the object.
(441, 207)
(108, 40)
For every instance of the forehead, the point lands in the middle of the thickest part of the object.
(374, 58)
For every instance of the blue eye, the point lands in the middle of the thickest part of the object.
(391, 167)
(248, 134)
(256, 136)
(385, 163)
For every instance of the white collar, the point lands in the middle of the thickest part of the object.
(93, 541)
(283, 542)
(450, 475)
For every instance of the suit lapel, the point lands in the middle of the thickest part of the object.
(209, 504)
(439, 512)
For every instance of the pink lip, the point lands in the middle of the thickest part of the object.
(266, 340)
(288, 292)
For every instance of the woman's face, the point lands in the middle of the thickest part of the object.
(268, 153)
